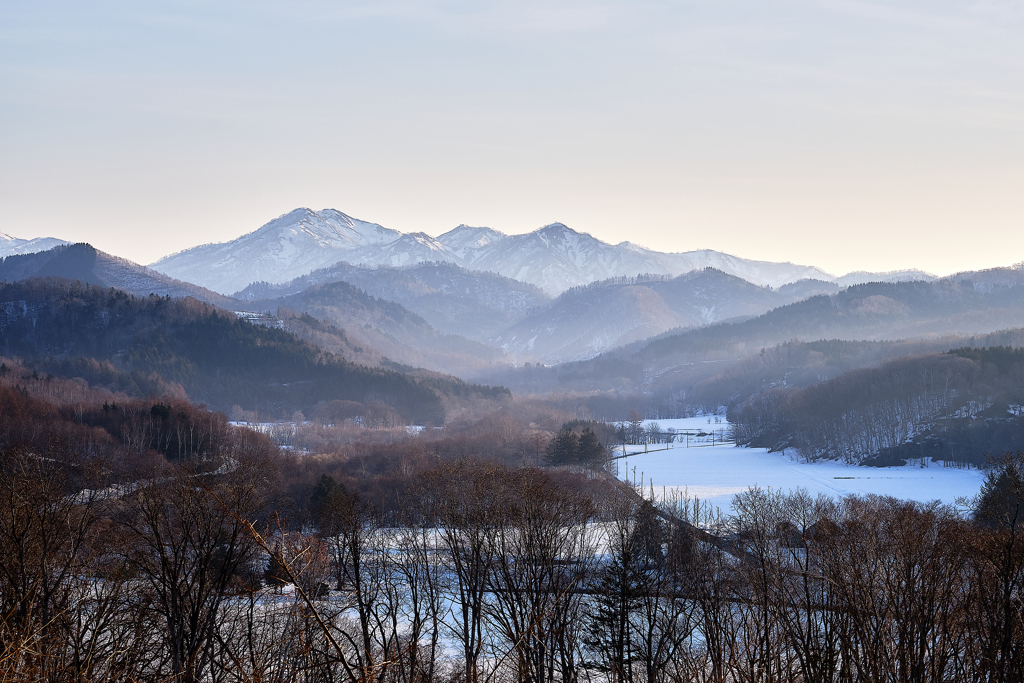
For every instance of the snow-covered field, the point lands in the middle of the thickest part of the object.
(717, 473)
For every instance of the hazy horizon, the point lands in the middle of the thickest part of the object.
(845, 134)
(634, 242)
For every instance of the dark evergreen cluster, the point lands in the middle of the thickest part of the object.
(571, 448)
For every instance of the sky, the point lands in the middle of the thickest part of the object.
(846, 134)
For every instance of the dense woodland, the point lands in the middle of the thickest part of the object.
(147, 345)
(145, 539)
(962, 406)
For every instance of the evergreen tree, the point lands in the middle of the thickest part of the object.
(327, 500)
(589, 450)
(648, 536)
(563, 449)
(609, 636)
(1000, 504)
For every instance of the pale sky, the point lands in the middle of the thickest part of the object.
(845, 134)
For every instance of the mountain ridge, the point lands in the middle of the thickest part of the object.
(84, 262)
(12, 246)
(554, 257)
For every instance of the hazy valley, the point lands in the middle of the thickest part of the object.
(346, 434)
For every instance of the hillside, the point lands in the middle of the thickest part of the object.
(90, 265)
(969, 303)
(474, 304)
(388, 327)
(960, 406)
(586, 321)
(133, 344)
(668, 371)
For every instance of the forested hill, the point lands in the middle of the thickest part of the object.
(963, 406)
(974, 303)
(151, 343)
(398, 333)
(90, 265)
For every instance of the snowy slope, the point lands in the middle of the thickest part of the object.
(554, 258)
(285, 248)
(467, 244)
(409, 249)
(10, 246)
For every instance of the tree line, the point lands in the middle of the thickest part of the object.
(493, 574)
(130, 551)
(953, 406)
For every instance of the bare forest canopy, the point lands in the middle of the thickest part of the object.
(963, 406)
(146, 540)
(159, 345)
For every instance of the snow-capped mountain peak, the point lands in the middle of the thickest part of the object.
(554, 257)
(291, 245)
(464, 241)
(10, 245)
(329, 228)
(409, 249)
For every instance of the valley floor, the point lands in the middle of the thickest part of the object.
(717, 473)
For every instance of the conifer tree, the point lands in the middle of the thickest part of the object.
(563, 449)
(589, 450)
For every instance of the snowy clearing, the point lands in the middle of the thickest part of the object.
(717, 473)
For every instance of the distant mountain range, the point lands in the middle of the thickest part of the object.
(417, 306)
(388, 327)
(962, 305)
(586, 321)
(10, 246)
(474, 298)
(453, 299)
(554, 258)
(376, 331)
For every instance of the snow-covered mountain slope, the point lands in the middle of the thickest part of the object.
(287, 247)
(10, 245)
(465, 242)
(409, 249)
(757, 272)
(554, 258)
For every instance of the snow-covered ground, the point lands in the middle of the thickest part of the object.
(717, 473)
